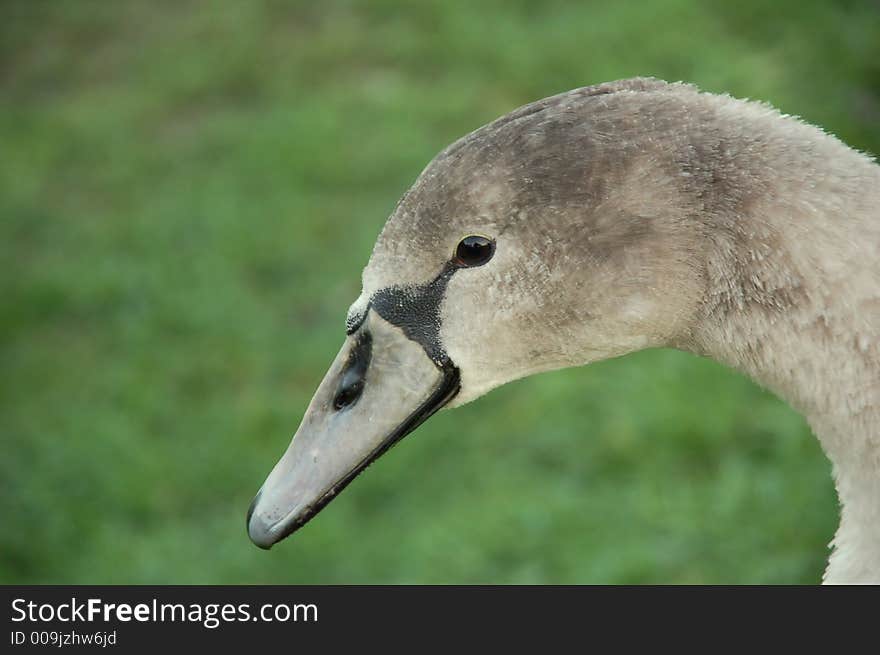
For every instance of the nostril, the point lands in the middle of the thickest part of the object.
(348, 393)
(351, 386)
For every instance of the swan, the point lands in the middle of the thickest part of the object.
(594, 223)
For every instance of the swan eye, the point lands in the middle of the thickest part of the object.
(474, 250)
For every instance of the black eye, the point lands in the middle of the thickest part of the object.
(474, 250)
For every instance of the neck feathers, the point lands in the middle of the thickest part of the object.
(793, 301)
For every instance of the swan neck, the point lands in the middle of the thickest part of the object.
(793, 303)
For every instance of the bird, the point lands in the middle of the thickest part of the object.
(594, 223)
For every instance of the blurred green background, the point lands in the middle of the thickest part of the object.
(188, 193)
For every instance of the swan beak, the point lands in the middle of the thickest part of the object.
(380, 387)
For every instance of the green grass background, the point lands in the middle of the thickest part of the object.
(188, 193)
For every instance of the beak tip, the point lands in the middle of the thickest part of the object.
(262, 546)
(259, 533)
(257, 529)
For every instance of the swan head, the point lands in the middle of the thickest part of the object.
(560, 234)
